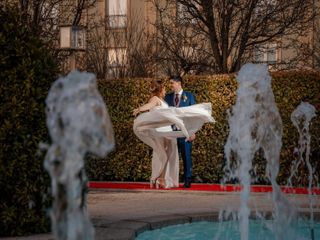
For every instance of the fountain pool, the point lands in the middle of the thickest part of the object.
(255, 123)
(259, 229)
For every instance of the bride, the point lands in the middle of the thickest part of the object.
(154, 128)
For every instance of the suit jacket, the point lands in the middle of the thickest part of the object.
(187, 99)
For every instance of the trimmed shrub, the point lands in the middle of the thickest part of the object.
(132, 159)
(26, 73)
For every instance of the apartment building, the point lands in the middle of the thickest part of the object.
(117, 30)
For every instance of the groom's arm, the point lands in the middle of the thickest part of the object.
(192, 99)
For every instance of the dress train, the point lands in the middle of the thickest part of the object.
(154, 128)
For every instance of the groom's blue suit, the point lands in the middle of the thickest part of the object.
(184, 147)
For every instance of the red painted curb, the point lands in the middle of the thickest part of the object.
(199, 187)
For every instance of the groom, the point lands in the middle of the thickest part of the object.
(180, 98)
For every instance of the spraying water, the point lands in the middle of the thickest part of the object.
(78, 123)
(255, 123)
(301, 118)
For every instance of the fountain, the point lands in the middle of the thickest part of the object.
(256, 123)
(78, 123)
(301, 118)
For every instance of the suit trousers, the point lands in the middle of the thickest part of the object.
(184, 148)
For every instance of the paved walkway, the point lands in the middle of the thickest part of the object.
(121, 214)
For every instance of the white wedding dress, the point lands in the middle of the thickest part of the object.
(154, 129)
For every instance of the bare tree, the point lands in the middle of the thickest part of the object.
(120, 52)
(309, 49)
(180, 46)
(233, 27)
(141, 49)
(43, 15)
(96, 58)
(314, 50)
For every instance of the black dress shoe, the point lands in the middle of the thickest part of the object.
(187, 184)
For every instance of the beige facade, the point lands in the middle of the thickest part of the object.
(121, 22)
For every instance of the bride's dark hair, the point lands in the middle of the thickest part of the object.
(156, 87)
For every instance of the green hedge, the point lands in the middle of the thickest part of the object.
(132, 159)
(26, 73)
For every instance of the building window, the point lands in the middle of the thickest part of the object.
(117, 57)
(117, 39)
(117, 13)
(78, 37)
(187, 51)
(265, 6)
(181, 13)
(72, 37)
(266, 53)
(184, 15)
(51, 13)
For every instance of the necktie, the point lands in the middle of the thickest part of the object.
(176, 100)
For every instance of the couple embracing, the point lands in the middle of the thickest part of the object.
(168, 124)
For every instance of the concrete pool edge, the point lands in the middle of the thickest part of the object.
(130, 229)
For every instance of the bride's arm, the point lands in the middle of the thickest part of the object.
(154, 101)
